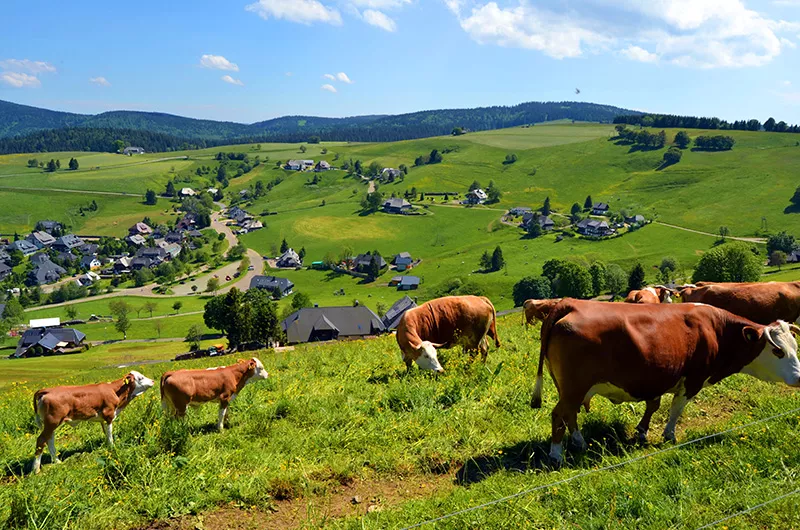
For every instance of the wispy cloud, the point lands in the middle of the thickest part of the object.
(329, 76)
(26, 65)
(231, 80)
(218, 62)
(341, 76)
(635, 53)
(380, 4)
(20, 80)
(99, 81)
(300, 11)
(329, 88)
(380, 20)
(289, 74)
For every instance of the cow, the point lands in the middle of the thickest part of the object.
(635, 352)
(650, 295)
(760, 302)
(444, 323)
(99, 402)
(181, 388)
(533, 309)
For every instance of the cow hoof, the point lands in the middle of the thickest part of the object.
(641, 437)
(670, 438)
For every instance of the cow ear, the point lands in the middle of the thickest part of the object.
(251, 364)
(751, 334)
(127, 380)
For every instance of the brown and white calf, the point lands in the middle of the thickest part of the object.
(444, 323)
(100, 402)
(760, 302)
(650, 295)
(182, 388)
(639, 352)
(533, 309)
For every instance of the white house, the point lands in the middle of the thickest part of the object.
(187, 192)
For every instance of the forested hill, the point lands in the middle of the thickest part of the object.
(27, 129)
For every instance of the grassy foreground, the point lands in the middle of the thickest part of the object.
(334, 418)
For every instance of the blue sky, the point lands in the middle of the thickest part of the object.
(249, 60)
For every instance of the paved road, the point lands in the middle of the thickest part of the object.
(218, 224)
(745, 239)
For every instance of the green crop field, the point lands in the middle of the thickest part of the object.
(334, 422)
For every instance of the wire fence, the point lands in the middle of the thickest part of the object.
(609, 467)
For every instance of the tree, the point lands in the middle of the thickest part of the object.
(573, 280)
(264, 325)
(667, 269)
(314, 139)
(301, 300)
(777, 258)
(51, 166)
(435, 157)
(170, 191)
(177, 306)
(531, 287)
(150, 198)
(781, 241)
(212, 286)
(374, 269)
(672, 156)
(403, 168)
(118, 146)
(485, 261)
(194, 335)
(636, 279)
(769, 125)
(510, 158)
(616, 279)
(493, 193)
(534, 228)
(457, 131)
(372, 202)
(284, 246)
(498, 262)
(71, 311)
(73, 164)
(419, 161)
(587, 204)
(597, 271)
(682, 139)
(33, 163)
(14, 312)
(150, 306)
(796, 197)
(302, 253)
(723, 232)
(142, 277)
(58, 164)
(158, 325)
(303, 149)
(474, 186)
(731, 262)
(123, 324)
(546, 206)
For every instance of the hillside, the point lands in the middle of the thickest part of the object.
(30, 129)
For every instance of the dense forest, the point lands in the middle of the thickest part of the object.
(695, 122)
(25, 131)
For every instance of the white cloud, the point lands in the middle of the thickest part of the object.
(341, 76)
(787, 83)
(100, 81)
(787, 43)
(379, 19)
(20, 80)
(289, 74)
(231, 80)
(218, 62)
(691, 33)
(301, 11)
(26, 65)
(635, 53)
(330, 76)
(380, 4)
(329, 88)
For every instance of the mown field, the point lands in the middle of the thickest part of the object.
(344, 420)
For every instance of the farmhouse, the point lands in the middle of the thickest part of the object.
(156, 255)
(91, 263)
(520, 210)
(133, 151)
(322, 165)
(289, 259)
(86, 280)
(238, 214)
(41, 239)
(544, 221)
(272, 284)
(187, 192)
(49, 226)
(88, 249)
(48, 341)
(402, 261)
(363, 261)
(477, 196)
(398, 309)
(140, 229)
(408, 283)
(600, 208)
(635, 220)
(26, 247)
(67, 242)
(315, 324)
(45, 272)
(396, 205)
(140, 263)
(293, 165)
(594, 228)
(390, 173)
(5, 272)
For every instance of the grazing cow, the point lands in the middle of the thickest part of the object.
(633, 352)
(759, 302)
(533, 309)
(650, 295)
(182, 388)
(100, 402)
(443, 323)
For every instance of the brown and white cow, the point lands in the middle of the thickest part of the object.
(650, 295)
(759, 302)
(533, 309)
(444, 323)
(99, 402)
(182, 388)
(633, 352)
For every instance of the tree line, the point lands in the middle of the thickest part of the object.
(673, 121)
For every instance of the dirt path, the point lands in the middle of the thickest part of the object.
(745, 239)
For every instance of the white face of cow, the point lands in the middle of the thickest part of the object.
(259, 372)
(778, 363)
(428, 360)
(140, 383)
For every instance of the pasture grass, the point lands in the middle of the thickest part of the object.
(336, 415)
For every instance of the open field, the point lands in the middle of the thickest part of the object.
(339, 420)
(89, 307)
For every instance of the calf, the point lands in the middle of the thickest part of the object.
(533, 309)
(443, 323)
(633, 352)
(182, 388)
(650, 295)
(759, 302)
(100, 402)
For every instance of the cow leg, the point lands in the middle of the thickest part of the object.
(108, 429)
(576, 437)
(47, 437)
(644, 425)
(223, 411)
(484, 348)
(679, 401)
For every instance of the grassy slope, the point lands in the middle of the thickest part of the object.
(331, 415)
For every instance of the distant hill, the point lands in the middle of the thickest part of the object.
(27, 129)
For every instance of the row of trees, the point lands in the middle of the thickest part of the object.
(249, 317)
(642, 137)
(434, 158)
(714, 143)
(694, 122)
(492, 262)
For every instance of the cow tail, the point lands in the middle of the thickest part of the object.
(493, 327)
(555, 315)
(164, 403)
(36, 397)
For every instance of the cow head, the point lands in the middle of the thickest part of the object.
(427, 359)
(139, 383)
(256, 371)
(778, 360)
(665, 294)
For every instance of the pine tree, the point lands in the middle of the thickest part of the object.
(587, 204)
(497, 259)
(284, 246)
(636, 278)
(546, 207)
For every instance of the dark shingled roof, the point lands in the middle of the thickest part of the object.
(357, 321)
(48, 338)
(396, 312)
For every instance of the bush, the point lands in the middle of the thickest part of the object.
(731, 262)
(531, 287)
